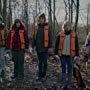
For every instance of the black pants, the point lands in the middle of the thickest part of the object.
(42, 64)
(18, 58)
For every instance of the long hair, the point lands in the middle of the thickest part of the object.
(65, 23)
(22, 27)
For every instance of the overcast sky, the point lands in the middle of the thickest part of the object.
(83, 10)
(60, 10)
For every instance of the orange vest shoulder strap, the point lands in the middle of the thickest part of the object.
(22, 39)
(73, 34)
(46, 36)
(3, 33)
(21, 31)
(3, 37)
(73, 52)
(46, 27)
(12, 31)
(62, 34)
(11, 39)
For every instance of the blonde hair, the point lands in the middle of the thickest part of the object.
(65, 23)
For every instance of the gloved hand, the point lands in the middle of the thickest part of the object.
(8, 55)
(77, 58)
(51, 51)
(56, 58)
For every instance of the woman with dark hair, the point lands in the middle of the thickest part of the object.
(18, 41)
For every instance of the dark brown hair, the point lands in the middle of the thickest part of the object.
(21, 24)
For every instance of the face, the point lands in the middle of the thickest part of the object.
(18, 24)
(41, 20)
(68, 26)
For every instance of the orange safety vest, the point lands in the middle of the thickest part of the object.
(72, 44)
(22, 39)
(46, 35)
(3, 36)
(35, 32)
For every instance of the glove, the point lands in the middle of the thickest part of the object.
(77, 58)
(51, 51)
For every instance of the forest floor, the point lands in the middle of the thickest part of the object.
(52, 79)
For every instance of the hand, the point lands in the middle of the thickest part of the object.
(51, 51)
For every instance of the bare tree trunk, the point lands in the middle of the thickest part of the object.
(50, 16)
(53, 15)
(26, 13)
(0, 7)
(77, 15)
(71, 11)
(4, 10)
(66, 16)
(88, 19)
(54, 23)
(9, 15)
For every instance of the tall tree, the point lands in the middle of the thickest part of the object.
(0, 6)
(25, 2)
(50, 15)
(71, 11)
(88, 19)
(66, 12)
(4, 12)
(77, 15)
(9, 17)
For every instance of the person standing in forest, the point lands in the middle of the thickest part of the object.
(18, 41)
(43, 43)
(66, 48)
(3, 36)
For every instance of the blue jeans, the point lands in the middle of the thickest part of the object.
(42, 64)
(66, 60)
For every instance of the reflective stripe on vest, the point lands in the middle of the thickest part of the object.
(3, 37)
(72, 44)
(22, 39)
(21, 33)
(62, 36)
(46, 35)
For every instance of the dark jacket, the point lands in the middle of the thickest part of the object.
(40, 39)
(57, 45)
(2, 27)
(16, 43)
